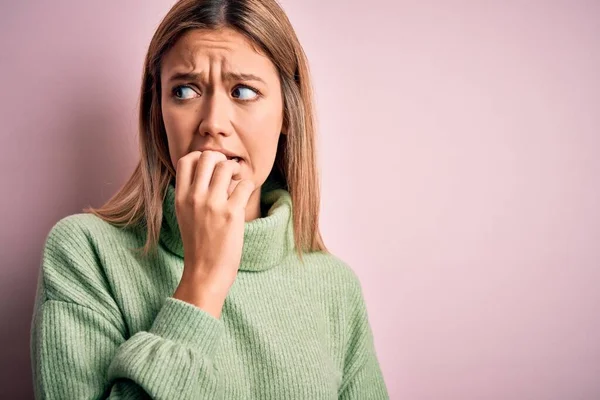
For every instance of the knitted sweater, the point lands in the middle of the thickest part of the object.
(105, 324)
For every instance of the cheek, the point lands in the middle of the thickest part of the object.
(177, 120)
(264, 121)
(261, 146)
(178, 127)
(262, 128)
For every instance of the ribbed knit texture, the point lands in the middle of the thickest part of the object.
(105, 324)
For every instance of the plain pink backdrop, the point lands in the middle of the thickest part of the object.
(459, 147)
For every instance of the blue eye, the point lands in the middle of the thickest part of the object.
(248, 89)
(177, 90)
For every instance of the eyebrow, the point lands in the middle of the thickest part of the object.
(197, 76)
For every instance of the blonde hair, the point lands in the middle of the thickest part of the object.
(139, 201)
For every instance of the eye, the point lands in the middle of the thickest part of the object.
(246, 90)
(180, 92)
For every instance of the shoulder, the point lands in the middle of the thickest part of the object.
(82, 232)
(70, 243)
(79, 226)
(72, 268)
(74, 252)
(73, 232)
(84, 240)
(346, 274)
(336, 275)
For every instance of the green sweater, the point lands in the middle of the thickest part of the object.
(105, 324)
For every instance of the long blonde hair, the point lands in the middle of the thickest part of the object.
(139, 201)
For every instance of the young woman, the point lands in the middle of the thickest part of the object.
(205, 276)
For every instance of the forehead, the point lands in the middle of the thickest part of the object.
(198, 49)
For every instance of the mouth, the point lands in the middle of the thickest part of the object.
(236, 159)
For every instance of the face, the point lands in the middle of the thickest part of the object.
(219, 92)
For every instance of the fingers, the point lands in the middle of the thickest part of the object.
(209, 174)
(204, 171)
(222, 178)
(184, 175)
(241, 194)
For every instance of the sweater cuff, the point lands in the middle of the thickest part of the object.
(186, 324)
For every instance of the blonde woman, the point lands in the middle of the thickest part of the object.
(205, 276)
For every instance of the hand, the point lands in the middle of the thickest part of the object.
(210, 204)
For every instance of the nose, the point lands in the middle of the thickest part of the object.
(215, 114)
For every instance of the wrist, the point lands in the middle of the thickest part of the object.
(208, 297)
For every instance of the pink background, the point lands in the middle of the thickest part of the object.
(459, 147)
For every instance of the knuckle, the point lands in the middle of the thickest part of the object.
(230, 213)
(212, 207)
(179, 201)
(193, 200)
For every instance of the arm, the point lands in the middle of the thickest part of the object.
(79, 342)
(362, 378)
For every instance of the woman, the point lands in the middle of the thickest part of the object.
(233, 294)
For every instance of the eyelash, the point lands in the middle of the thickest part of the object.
(174, 90)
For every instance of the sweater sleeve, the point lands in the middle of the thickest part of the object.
(362, 376)
(80, 347)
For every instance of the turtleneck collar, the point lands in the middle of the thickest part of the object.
(267, 240)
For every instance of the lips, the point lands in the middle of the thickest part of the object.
(236, 159)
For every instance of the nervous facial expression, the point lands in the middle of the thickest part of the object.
(217, 91)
